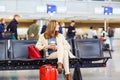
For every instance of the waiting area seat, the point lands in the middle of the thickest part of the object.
(3, 50)
(87, 52)
(90, 54)
(19, 49)
(89, 49)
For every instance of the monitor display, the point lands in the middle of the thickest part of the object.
(51, 9)
(108, 10)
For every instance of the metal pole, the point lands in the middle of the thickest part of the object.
(105, 24)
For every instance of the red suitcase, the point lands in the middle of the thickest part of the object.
(48, 72)
(33, 52)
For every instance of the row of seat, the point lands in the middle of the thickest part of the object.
(14, 55)
(16, 50)
(83, 49)
(88, 49)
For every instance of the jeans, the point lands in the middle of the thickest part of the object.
(70, 37)
(111, 42)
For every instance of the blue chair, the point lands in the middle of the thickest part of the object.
(3, 50)
(19, 49)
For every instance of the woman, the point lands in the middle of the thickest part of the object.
(56, 47)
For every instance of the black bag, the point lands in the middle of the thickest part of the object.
(7, 35)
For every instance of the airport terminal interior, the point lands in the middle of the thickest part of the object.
(97, 14)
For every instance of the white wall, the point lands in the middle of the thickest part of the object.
(22, 31)
(117, 33)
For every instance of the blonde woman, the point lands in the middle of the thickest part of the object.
(56, 47)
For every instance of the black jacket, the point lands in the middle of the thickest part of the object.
(110, 33)
(43, 29)
(70, 33)
(2, 28)
(12, 27)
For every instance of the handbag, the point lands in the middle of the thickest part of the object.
(33, 52)
(7, 35)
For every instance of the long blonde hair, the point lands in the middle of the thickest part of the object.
(51, 30)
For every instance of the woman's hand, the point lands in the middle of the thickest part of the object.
(32, 35)
(51, 46)
(74, 31)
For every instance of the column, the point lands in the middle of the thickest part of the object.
(41, 22)
(105, 24)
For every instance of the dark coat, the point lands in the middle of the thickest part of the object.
(70, 33)
(110, 33)
(43, 29)
(34, 28)
(12, 27)
(60, 30)
(2, 28)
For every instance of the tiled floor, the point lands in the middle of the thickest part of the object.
(111, 72)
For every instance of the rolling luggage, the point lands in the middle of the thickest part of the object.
(48, 72)
(33, 52)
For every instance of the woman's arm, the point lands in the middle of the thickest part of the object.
(40, 43)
